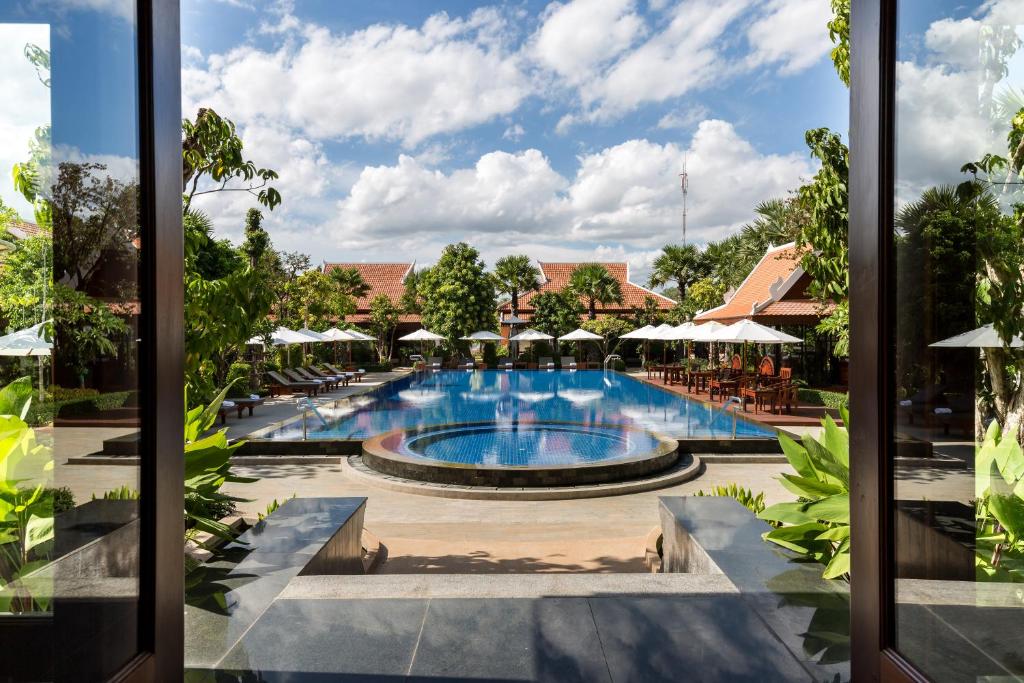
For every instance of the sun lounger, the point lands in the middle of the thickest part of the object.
(546, 363)
(280, 384)
(506, 365)
(299, 375)
(568, 363)
(467, 364)
(239, 405)
(342, 377)
(354, 373)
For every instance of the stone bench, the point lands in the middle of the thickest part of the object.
(226, 595)
(809, 614)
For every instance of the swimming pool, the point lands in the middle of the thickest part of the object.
(585, 397)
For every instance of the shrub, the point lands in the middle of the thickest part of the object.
(239, 380)
(491, 355)
(58, 393)
(123, 492)
(817, 523)
(821, 397)
(999, 507)
(63, 499)
(744, 497)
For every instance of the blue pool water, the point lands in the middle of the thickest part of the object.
(520, 445)
(456, 396)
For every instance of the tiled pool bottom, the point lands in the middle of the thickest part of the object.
(504, 398)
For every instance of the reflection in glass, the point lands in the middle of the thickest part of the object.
(959, 359)
(69, 307)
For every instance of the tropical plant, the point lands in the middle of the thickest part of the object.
(648, 314)
(744, 496)
(26, 505)
(211, 149)
(515, 275)
(257, 240)
(704, 294)
(556, 313)
(839, 34)
(350, 282)
(86, 329)
(384, 319)
(681, 264)
(122, 492)
(817, 524)
(595, 285)
(458, 294)
(611, 330)
(999, 507)
(207, 469)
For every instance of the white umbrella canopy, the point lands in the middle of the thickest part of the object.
(580, 335)
(421, 335)
(639, 333)
(985, 337)
(483, 336)
(706, 332)
(531, 335)
(360, 336)
(26, 342)
(334, 334)
(656, 333)
(750, 331)
(313, 335)
(682, 332)
(282, 336)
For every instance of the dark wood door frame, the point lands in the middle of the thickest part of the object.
(161, 366)
(872, 136)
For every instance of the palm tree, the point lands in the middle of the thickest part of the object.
(593, 282)
(350, 282)
(683, 265)
(515, 275)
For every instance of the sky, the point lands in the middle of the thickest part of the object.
(555, 129)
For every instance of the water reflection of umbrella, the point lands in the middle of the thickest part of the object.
(421, 395)
(580, 396)
(533, 396)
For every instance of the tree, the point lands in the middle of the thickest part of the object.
(704, 294)
(515, 275)
(257, 240)
(384, 319)
(318, 301)
(458, 294)
(86, 330)
(825, 234)
(211, 149)
(648, 314)
(350, 282)
(411, 302)
(595, 285)
(681, 264)
(839, 33)
(556, 313)
(611, 329)
(213, 258)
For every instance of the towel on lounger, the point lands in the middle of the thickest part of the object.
(943, 411)
(227, 404)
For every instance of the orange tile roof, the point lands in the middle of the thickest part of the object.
(776, 287)
(383, 278)
(23, 229)
(556, 278)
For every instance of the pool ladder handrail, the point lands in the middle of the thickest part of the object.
(609, 358)
(730, 401)
(305, 405)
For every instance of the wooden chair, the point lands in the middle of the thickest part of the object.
(766, 368)
(761, 396)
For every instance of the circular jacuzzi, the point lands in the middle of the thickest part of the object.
(520, 454)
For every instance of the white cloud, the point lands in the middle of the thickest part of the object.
(627, 195)
(790, 33)
(383, 82)
(515, 132)
(578, 36)
(25, 106)
(684, 118)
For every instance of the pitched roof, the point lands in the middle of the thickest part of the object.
(383, 278)
(775, 288)
(23, 229)
(556, 278)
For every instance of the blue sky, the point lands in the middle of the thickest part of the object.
(556, 129)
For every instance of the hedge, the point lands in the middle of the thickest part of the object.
(822, 397)
(43, 412)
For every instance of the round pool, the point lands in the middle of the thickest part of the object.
(520, 454)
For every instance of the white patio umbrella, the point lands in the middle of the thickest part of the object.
(361, 336)
(985, 337)
(580, 335)
(639, 333)
(531, 335)
(483, 336)
(705, 332)
(27, 342)
(314, 336)
(422, 336)
(346, 337)
(750, 331)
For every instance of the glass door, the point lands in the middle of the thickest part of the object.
(79, 363)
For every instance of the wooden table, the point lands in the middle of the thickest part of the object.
(698, 379)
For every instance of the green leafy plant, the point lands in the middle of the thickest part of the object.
(123, 492)
(817, 524)
(26, 505)
(207, 469)
(272, 507)
(745, 497)
(999, 507)
(63, 499)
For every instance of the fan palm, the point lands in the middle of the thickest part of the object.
(350, 282)
(515, 275)
(682, 265)
(595, 284)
